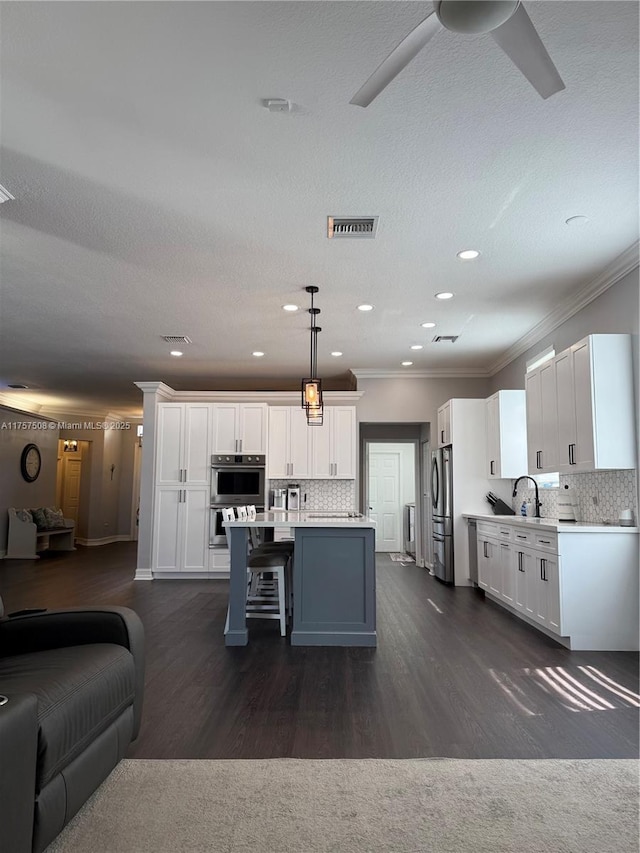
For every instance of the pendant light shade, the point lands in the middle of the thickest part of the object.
(312, 386)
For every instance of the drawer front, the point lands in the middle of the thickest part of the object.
(219, 559)
(486, 528)
(522, 537)
(546, 542)
(505, 532)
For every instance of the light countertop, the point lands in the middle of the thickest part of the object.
(552, 524)
(318, 518)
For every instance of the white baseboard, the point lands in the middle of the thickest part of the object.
(143, 575)
(220, 575)
(106, 540)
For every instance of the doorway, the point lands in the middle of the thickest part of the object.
(405, 438)
(391, 493)
(68, 478)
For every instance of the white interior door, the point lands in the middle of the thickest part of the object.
(384, 500)
(71, 488)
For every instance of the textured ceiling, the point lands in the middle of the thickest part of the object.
(156, 195)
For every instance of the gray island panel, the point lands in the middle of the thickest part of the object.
(334, 587)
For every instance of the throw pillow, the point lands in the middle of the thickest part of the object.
(24, 515)
(54, 517)
(40, 518)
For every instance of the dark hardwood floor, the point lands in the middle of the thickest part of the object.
(452, 676)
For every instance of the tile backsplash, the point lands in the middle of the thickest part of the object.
(323, 494)
(613, 491)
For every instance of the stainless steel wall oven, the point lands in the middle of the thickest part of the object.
(236, 480)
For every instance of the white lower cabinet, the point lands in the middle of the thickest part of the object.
(181, 536)
(507, 576)
(579, 587)
(513, 570)
(487, 561)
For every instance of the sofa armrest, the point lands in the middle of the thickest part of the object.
(18, 755)
(77, 626)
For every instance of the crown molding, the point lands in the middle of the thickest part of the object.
(270, 397)
(621, 266)
(434, 373)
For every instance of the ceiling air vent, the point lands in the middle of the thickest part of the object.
(351, 226)
(177, 339)
(441, 339)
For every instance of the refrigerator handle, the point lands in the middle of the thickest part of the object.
(435, 483)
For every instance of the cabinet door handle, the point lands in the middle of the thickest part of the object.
(544, 541)
(441, 436)
(572, 454)
(520, 556)
(486, 545)
(520, 536)
(538, 459)
(492, 467)
(185, 475)
(543, 564)
(240, 445)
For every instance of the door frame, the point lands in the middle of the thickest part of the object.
(364, 473)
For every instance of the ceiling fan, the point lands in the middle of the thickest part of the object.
(507, 22)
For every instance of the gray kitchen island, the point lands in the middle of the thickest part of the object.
(334, 578)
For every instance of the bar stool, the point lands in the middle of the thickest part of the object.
(266, 599)
(283, 547)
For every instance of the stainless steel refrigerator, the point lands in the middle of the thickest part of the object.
(442, 499)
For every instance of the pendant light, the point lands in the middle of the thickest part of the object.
(312, 386)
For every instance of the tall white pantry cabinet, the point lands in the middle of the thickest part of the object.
(181, 519)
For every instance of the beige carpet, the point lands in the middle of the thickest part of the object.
(348, 806)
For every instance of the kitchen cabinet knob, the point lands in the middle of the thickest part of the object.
(492, 467)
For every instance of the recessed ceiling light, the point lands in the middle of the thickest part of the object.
(290, 308)
(336, 354)
(427, 325)
(444, 294)
(365, 307)
(407, 363)
(416, 346)
(257, 354)
(176, 353)
(468, 254)
(577, 220)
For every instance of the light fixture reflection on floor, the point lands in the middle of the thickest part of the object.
(312, 386)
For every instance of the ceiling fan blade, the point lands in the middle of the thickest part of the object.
(398, 59)
(522, 44)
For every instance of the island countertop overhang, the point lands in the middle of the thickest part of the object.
(283, 518)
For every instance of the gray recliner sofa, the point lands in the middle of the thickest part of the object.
(71, 686)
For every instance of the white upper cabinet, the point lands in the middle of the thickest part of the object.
(289, 453)
(444, 425)
(334, 444)
(182, 444)
(240, 428)
(595, 404)
(542, 419)
(506, 435)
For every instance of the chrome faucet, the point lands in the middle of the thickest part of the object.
(538, 502)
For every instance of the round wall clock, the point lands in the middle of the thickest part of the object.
(30, 462)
